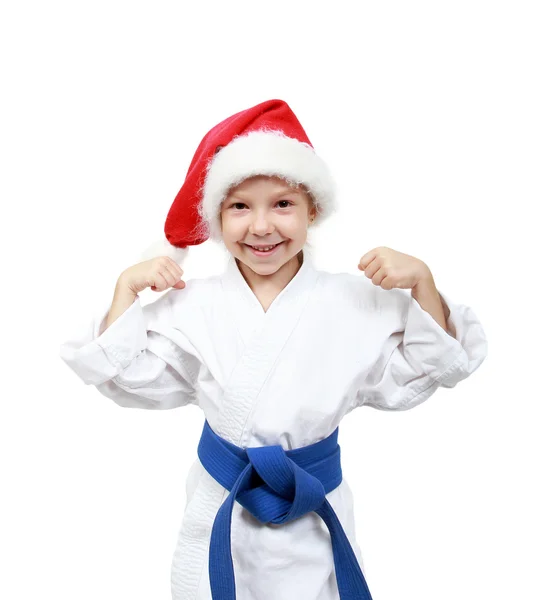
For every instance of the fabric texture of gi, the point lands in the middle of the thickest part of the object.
(329, 343)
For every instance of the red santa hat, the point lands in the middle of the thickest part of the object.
(266, 139)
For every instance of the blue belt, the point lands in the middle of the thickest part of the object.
(277, 486)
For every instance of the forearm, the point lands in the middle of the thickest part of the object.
(122, 300)
(427, 295)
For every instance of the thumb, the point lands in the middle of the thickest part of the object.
(180, 285)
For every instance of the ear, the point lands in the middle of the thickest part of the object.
(312, 213)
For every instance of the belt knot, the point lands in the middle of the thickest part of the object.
(276, 486)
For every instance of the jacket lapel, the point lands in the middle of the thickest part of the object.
(264, 335)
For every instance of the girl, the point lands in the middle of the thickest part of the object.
(275, 353)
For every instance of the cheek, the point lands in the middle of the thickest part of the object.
(297, 223)
(230, 225)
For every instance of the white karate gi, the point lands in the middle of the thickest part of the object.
(329, 343)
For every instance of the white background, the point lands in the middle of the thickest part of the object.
(432, 116)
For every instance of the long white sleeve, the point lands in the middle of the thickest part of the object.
(421, 356)
(140, 361)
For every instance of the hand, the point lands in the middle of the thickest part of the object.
(391, 269)
(158, 273)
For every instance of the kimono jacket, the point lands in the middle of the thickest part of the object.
(328, 344)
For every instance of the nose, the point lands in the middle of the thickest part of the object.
(260, 224)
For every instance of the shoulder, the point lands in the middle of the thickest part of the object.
(358, 291)
(198, 292)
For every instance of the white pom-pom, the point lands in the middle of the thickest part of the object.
(164, 248)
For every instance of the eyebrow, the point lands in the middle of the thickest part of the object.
(285, 192)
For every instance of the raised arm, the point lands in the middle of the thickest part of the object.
(136, 355)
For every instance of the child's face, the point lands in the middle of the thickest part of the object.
(265, 210)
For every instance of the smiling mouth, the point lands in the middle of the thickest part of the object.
(264, 253)
(271, 246)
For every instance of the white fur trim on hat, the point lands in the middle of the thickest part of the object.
(163, 248)
(266, 152)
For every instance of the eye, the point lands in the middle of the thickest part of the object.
(236, 204)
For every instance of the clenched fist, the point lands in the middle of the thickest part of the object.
(158, 274)
(390, 269)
